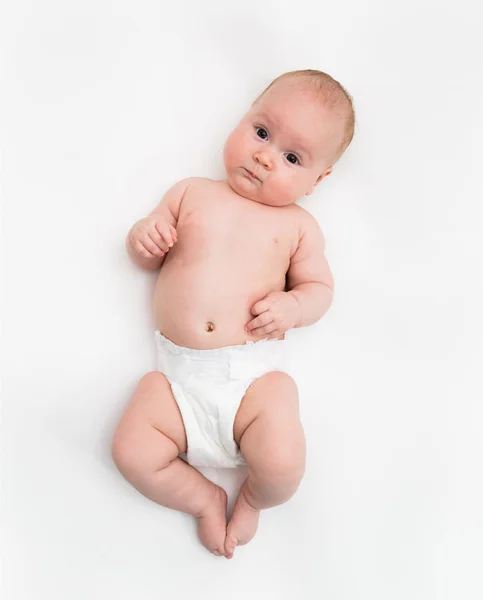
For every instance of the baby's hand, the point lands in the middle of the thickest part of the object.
(152, 236)
(277, 313)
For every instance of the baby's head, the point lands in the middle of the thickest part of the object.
(290, 138)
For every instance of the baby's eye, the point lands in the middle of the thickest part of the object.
(292, 158)
(262, 133)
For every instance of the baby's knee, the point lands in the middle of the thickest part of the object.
(287, 462)
(137, 464)
(128, 453)
(124, 455)
(283, 468)
(280, 385)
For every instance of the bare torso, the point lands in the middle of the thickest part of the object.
(231, 252)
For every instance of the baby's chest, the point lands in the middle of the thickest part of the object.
(249, 232)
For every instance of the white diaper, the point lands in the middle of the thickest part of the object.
(208, 386)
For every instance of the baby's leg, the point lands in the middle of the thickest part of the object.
(268, 430)
(145, 448)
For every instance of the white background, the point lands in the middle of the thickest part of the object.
(107, 104)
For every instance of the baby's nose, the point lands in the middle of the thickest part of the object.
(264, 158)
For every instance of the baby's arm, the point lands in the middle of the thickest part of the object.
(168, 211)
(309, 278)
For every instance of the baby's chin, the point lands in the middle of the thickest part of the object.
(255, 191)
(243, 187)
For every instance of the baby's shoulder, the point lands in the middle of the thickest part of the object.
(308, 229)
(303, 219)
(191, 182)
(197, 185)
(198, 193)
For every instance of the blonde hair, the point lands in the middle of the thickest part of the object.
(333, 96)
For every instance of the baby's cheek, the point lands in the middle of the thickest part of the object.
(284, 192)
(233, 145)
(229, 150)
(227, 153)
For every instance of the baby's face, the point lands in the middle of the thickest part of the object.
(286, 141)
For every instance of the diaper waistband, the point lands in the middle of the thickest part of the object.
(240, 360)
(216, 353)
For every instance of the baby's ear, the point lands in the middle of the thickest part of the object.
(319, 179)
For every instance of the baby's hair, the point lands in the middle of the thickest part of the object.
(333, 96)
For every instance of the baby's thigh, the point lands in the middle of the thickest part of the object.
(151, 430)
(267, 426)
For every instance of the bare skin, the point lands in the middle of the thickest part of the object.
(221, 237)
(239, 261)
(148, 440)
(151, 435)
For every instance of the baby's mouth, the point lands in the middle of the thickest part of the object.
(252, 175)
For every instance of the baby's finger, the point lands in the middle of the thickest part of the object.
(164, 231)
(140, 248)
(158, 240)
(173, 233)
(260, 307)
(265, 329)
(152, 246)
(262, 320)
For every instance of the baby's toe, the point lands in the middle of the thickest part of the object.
(231, 543)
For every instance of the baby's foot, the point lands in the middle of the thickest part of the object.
(242, 526)
(212, 523)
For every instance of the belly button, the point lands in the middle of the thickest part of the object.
(210, 326)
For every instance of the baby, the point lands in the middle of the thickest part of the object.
(241, 264)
